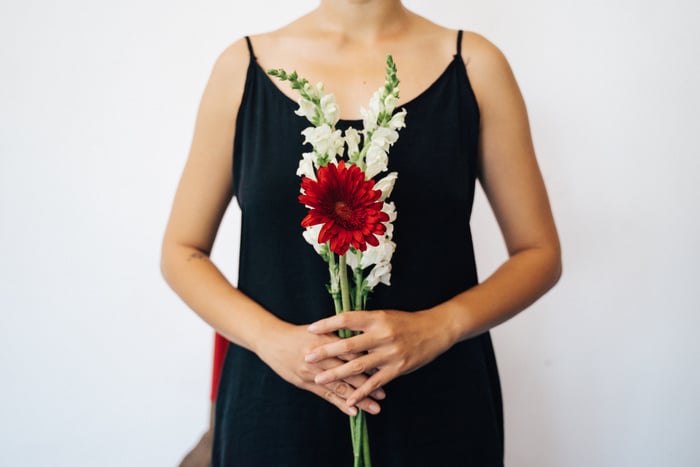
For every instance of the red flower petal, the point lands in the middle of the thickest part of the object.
(346, 204)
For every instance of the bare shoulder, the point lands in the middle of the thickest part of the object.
(489, 72)
(481, 55)
(229, 72)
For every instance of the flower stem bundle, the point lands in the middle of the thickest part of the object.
(350, 221)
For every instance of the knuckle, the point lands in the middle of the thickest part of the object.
(357, 366)
(328, 395)
(342, 388)
(348, 346)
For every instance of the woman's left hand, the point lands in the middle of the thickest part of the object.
(396, 342)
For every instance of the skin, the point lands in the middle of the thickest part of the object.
(343, 43)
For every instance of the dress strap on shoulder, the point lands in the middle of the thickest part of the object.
(250, 47)
(459, 42)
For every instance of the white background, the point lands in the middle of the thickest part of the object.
(102, 364)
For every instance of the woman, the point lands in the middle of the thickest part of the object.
(423, 365)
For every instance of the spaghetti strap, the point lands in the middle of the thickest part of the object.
(459, 42)
(250, 47)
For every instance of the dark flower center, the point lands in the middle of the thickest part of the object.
(342, 210)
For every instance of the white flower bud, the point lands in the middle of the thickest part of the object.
(390, 102)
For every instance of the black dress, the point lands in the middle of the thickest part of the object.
(448, 413)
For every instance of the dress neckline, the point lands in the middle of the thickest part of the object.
(409, 103)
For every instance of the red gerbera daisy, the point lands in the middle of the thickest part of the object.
(346, 204)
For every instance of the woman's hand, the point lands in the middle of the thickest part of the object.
(395, 342)
(284, 352)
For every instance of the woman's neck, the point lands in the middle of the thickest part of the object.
(362, 20)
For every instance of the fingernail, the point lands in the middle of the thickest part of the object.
(381, 395)
(311, 357)
(353, 411)
(373, 407)
(313, 327)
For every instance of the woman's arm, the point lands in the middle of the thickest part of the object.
(399, 342)
(204, 191)
(513, 184)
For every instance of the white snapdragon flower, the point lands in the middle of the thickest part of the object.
(330, 109)
(369, 119)
(311, 236)
(306, 109)
(352, 139)
(398, 120)
(336, 144)
(389, 233)
(306, 166)
(384, 137)
(319, 90)
(390, 209)
(351, 257)
(386, 185)
(381, 253)
(324, 140)
(379, 273)
(376, 161)
(370, 116)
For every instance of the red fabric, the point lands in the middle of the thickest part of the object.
(220, 346)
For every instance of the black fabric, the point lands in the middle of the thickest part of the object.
(448, 413)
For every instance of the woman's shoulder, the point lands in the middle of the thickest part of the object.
(234, 58)
(487, 66)
(227, 78)
(476, 47)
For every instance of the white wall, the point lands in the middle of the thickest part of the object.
(101, 364)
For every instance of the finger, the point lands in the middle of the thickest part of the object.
(354, 381)
(359, 380)
(329, 395)
(349, 356)
(343, 389)
(369, 406)
(351, 345)
(351, 368)
(353, 320)
(375, 381)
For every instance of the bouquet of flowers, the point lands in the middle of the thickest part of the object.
(349, 222)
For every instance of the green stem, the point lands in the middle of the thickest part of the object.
(365, 446)
(356, 433)
(344, 285)
(335, 293)
(359, 305)
(356, 450)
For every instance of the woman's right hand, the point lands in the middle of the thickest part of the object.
(284, 350)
